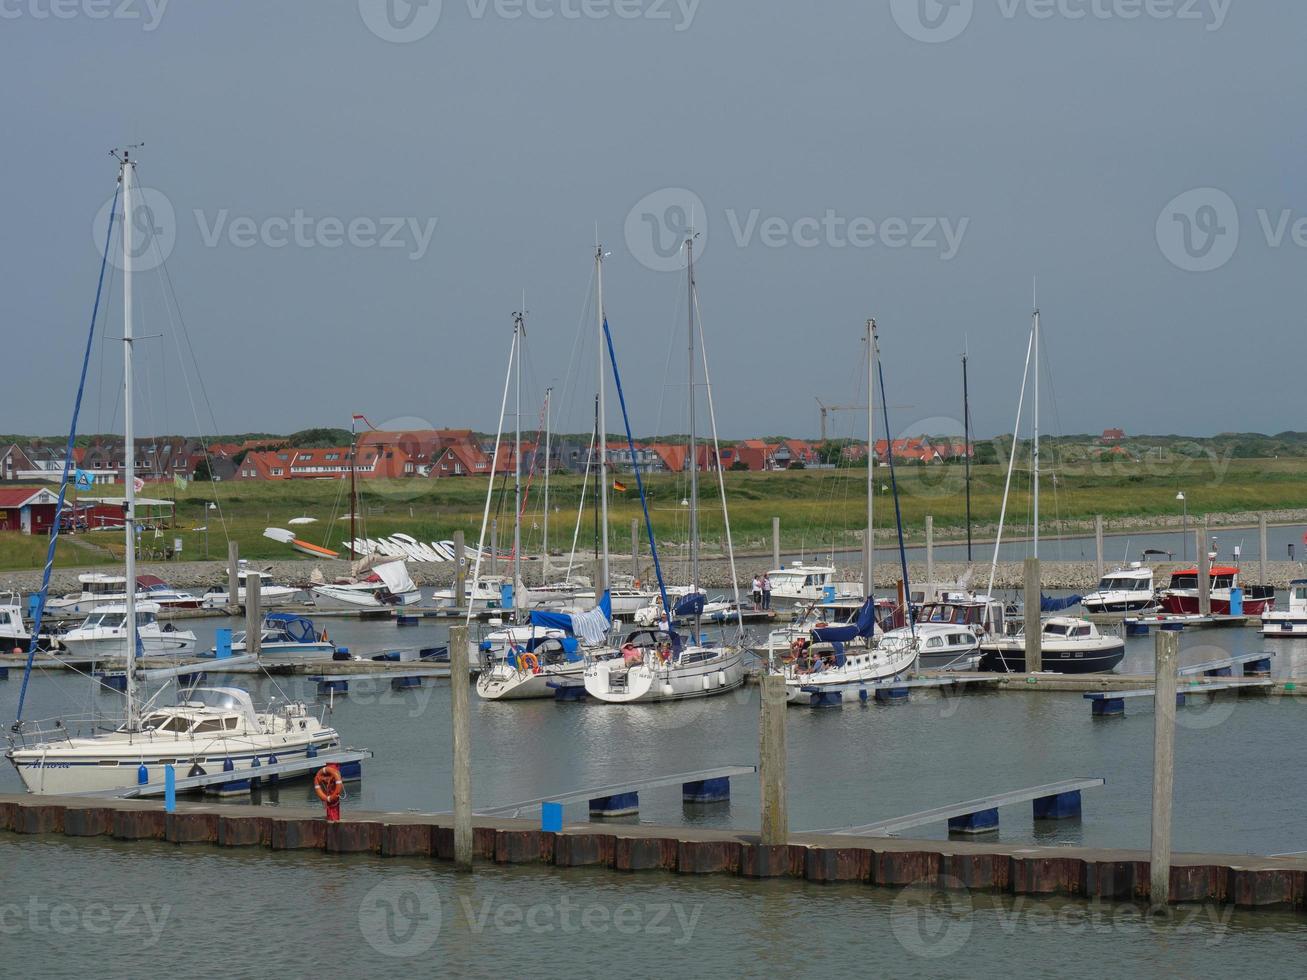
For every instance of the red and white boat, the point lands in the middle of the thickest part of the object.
(1180, 598)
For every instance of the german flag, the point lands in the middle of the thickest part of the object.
(619, 486)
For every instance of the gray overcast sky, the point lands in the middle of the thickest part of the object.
(1045, 143)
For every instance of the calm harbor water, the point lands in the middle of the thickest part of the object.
(1236, 791)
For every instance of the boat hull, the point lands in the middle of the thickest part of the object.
(1009, 657)
(863, 667)
(614, 682)
(165, 643)
(1187, 604)
(504, 683)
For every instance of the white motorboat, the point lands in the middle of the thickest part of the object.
(1067, 646)
(13, 631)
(1292, 623)
(99, 588)
(104, 634)
(271, 595)
(386, 585)
(938, 647)
(800, 582)
(196, 736)
(1123, 590)
(285, 634)
(485, 592)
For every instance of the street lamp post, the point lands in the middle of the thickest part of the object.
(1184, 501)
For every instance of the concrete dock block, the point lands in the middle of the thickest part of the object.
(772, 861)
(39, 818)
(1032, 875)
(88, 821)
(644, 853)
(978, 872)
(408, 840)
(1192, 883)
(140, 824)
(1265, 889)
(524, 847)
(191, 827)
(353, 837)
(8, 813)
(706, 857)
(831, 865)
(1118, 881)
(244, 831)
(579, 850)
(898, 869)
(297, 833)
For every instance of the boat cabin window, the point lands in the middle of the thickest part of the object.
(934, 643)
(1055, 629)
(232, 723)
(210, 725)
(1300, 592)
(167, 723)
(1189, 581)
(959, 639)
(1223, 582)
(1080, 631)
(1121, 585)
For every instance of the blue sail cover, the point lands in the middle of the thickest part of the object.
(690, 605)
(586, 625)
(1050, 605)
(863, 626)
(298, 628)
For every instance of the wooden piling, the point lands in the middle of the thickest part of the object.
(1034, 648)
(1098, 548)
(1204, 573)
(1167, 657)
(460, 570)
(771, 754)
(253, 613)
(1262, 556)
(930, 550)
(233, 577)
(775, 542)
(460, 690)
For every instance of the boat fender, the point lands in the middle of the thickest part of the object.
(328, 784)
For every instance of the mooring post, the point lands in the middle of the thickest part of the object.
(1261, 551)
(1034, 651)
(233, 577)
(775, 542)
(1167, 656)
(459, 672)
(635, 550)
(1098, 548)
(1204, 573)
(253, 615)
(460, 570)
(771, 756)
(930, 551)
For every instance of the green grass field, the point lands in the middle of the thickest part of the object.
(818, 508)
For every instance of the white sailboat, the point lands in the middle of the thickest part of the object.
(677, 669)
(209, 727)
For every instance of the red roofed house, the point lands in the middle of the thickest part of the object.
(28, 510)
(1112, 435)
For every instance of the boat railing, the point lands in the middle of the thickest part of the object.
(26, 734)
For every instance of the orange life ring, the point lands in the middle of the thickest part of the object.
(822, 626)
(529, 661)
(329, 785)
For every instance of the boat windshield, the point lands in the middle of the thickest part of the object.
(1121, 585)
(165, 722)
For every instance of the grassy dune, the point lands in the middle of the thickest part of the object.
(818, 509)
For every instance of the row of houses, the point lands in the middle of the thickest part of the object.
(432, 454)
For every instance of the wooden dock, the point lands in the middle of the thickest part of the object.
(1240, 880)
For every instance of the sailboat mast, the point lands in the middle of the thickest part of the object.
(1035, 451)
(871, 458)
(601, 439)
(544, 531)
(519, 330)
(129, 458)
(966, 430)
(353, 485)
(692, 460)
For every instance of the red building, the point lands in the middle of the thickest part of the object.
(27, 509)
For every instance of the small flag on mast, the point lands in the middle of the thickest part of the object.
(619, 486)
(83, 480)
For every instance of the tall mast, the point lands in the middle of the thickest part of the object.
(129, 441)
(1035, 457)
(519, 331)
(544, 546)
(353, 484)
(693, 459)
(871, 458)
(601, 439)
(966, 429)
